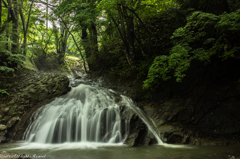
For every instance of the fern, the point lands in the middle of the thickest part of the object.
(6, 69)
(9, 62)
(3, 91)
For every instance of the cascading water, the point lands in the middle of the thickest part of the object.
(148, 121)
(85, 114)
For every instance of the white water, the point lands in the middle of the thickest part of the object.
(148, 121)
(87, 116)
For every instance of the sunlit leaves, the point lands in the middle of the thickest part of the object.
(163, 65)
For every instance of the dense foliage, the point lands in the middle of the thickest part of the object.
(151, 40)
(203, 36)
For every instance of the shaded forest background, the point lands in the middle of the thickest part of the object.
(151, 40)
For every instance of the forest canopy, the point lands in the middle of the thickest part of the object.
(150, 40)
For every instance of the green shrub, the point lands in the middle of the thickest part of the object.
(203, 36)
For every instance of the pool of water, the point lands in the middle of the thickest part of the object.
(120, 151)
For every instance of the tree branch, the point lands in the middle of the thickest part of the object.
(124, 41)
(139, 20)
(84, 64)
(5, 4)
(29, 14)
(23, 21)
(13, 14)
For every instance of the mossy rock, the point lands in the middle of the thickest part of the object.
(29, 65)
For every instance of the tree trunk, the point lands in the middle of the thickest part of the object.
(94, 47)
(55, 33)
(84, 62)
(63, 44)
(124, 35)
(47, 18)
(86, 46)
(25, 26)
(15, 28)
(94, 39)
(7, 37)
(24, 31)
(7, 32)
(0, 13)
(130, 36)
(124, 40)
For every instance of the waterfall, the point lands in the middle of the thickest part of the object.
(85, 114)
(148, 121)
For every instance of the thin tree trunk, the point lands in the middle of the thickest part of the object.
(47, 18)
(1, 13)
(7, 31)
(121, 15)
(94, 47)
(121, 34)
(15, 28)
(94, 38)
(86, 46)
(84, 61)
(140, 45)
(130, 35)
(24, 32)
(25, 26)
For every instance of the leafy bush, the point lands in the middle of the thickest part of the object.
(9, 61)
(203, 36)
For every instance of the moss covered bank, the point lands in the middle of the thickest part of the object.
(30, 90)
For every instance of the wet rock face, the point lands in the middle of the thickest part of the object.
(3, 127)
(35, 90)
(2, 132)
(201, 110)
(138, 133)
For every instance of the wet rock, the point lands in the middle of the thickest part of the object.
(128, 114)
(6, 118)
(2, 137)
(12, 121)
(35, 89)
(131, 139)
(78, 77)
(138, 132)
(3, 127)
(5, 110)
(201, 110)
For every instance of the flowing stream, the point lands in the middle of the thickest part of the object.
(86, 114)
(87, 123)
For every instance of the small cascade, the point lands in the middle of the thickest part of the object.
(148, 121)
(85, 114)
